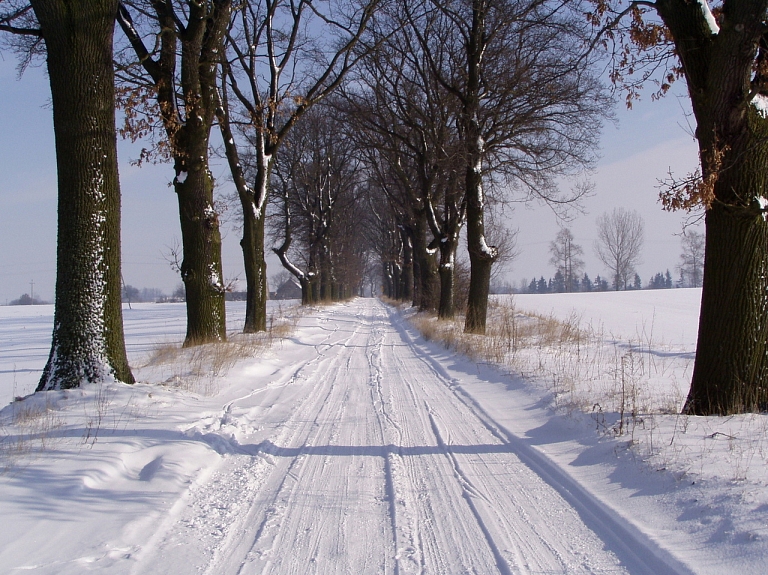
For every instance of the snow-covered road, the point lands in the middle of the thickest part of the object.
(364, 455)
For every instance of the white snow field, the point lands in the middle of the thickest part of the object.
(351, 445)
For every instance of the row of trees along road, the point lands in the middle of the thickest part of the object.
(458, 100)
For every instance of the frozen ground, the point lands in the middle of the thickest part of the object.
(354, 446)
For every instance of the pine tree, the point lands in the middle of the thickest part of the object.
(558, 284)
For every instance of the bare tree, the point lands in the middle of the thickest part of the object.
(87, 343)
(720, 49)
(283, 57)
(619, 241)
(316, 180)
(565, 258)
(500, 62)
(174, 55)
(692, 259)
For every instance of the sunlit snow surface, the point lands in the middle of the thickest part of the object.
(352, 445)
(25, 337)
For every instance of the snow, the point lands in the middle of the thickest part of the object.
(709, 17)
(760, 102)
(489, 251)
(181, 177)
(354, 445)
(763, 202)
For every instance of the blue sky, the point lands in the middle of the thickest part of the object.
(636, 152)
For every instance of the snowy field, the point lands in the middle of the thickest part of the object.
(352, 445)
(25, 337)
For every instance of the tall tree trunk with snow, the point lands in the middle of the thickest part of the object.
(201, 269)
(446, 239)
(406, 273)
(88, 344)
(254, 213)
(481, 255)
(725, 68)
(425, 267)
(198, 42)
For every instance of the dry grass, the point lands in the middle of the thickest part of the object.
(199, 368)
(27, 430)
(627, 388)
(580, 366)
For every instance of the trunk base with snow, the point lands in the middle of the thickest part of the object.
(201, 268)
(87, 344)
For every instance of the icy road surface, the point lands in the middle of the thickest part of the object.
(365, 456)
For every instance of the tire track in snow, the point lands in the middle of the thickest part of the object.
(206, 526)
(404, 531)
(387, 465)
(470, 492)
(431, 500)
(321, 510)
(637, 552)
(526, 548)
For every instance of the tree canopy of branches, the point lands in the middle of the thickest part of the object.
(619, 243)
(185, 39)
(319, 218)
(283, 57)
(87, 344)
(405, 127)
(722, 54)
(527, 107)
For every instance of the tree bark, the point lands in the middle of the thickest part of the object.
(201, 269)
(406, 273)
(730, 373)
(87, 344)
(730, 370)
(481, 256)
(425, 268)
(200, 42)
(446, 308)
(252, 244)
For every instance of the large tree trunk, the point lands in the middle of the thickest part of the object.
(87, 345)
(730, 373)
(255, 267)
(406, 273)
(425, 267)
(198, 42)
(481, 256)
(201, 269)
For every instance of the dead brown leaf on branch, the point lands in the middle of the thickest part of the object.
(694, 191)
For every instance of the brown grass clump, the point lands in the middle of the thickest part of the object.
(199, 368)
(27, 430)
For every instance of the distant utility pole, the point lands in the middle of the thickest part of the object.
(32, 290)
